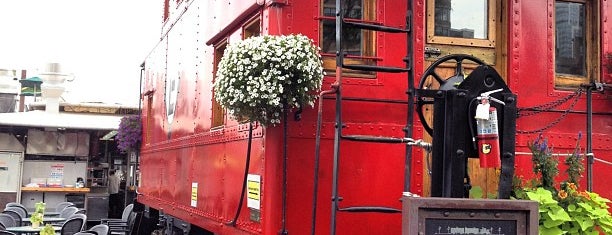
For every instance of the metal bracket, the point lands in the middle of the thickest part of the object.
(432, 52)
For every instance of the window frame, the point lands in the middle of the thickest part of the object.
(217, 117)
(475, 42)
(251, 28)
(368, 42)
(592, 57)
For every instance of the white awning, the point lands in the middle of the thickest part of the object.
(83, 121)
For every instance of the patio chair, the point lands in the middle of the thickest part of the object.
(16, 205)
(123, 222)
(99, 229)
(126, 230)
(60, 206)
(10, 204)
(74, 225)
(15, 216)
(4, 232)
(68, 211)
(23, 213)
(7, 221)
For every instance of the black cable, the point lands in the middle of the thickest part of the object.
(246, 174)
(284, 202)
(316, 161)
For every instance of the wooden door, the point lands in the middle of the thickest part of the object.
(464, 27)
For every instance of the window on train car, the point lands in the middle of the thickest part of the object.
(252, 28)
(149, 120)
(575, 42)
(358, 45)
(461, 22)
(218, 113)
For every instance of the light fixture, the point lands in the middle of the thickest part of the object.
(109, 135)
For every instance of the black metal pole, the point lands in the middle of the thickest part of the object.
(410, 119)
(338, 130)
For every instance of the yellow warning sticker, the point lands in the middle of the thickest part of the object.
(253, 191)
(194, 194)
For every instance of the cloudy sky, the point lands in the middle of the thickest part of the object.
(102, 42)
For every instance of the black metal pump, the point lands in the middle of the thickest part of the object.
(453, 132)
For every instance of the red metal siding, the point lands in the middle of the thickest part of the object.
(188, 151)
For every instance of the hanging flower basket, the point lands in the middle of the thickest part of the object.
(258, 76)
(129, 133)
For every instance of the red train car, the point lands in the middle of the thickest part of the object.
(555, 55)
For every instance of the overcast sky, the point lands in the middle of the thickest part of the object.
(102, 42)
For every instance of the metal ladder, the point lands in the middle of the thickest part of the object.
(340, 24)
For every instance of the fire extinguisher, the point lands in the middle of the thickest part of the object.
(487, 131)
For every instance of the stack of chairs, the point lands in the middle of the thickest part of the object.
(16, 211)
(124, 225)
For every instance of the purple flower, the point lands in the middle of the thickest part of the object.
(129, 133)
(544, 145)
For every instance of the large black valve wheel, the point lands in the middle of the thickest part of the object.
(449, 83)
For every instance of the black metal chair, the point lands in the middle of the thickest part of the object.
(60, 206)
(74, 225)
(120, 225)
(15, 216)
(22, 208)
(7, 221)
(68, 211)
(126, 230)
(4, 232)
(19, 211)
(13, 204)
(99, 229)
(124, 216)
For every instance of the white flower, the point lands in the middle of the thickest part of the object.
(255, 73)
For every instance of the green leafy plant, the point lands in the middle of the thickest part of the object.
(39, 207)
(36, 218)
(47, 230)
(261, 77)
(566, 209)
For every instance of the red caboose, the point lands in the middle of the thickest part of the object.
(553, 54)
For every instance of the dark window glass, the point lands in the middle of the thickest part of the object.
(461, 18)
(352, 43)
(570, 44)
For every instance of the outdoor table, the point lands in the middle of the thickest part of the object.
(47, 213)
(45, 219)
(29, 229)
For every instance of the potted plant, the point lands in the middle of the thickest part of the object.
(47, 230)
(261, 77)
(129, 133)
(564, 208)
(40, 207)
(36, 218)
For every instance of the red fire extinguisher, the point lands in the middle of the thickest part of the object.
(487, 132)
